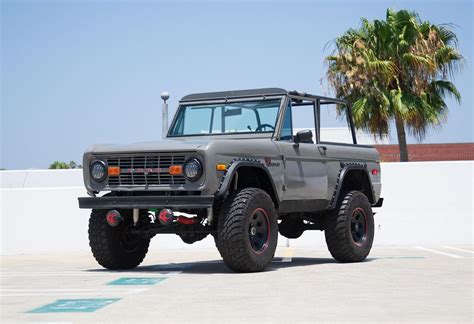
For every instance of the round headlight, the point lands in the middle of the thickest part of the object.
(192, 169)
(98, 171)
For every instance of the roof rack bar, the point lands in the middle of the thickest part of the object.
(235, 94)
(323, 100)
(257, 96)
(332, 102)
(251, 93)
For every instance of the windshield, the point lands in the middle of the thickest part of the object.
(226, 118)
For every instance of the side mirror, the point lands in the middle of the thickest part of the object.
(304, 136)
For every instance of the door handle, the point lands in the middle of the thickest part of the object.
(323, 148)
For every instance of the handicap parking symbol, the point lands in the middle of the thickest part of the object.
(75, 305)
(137, 281)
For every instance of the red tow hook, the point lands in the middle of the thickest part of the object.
(166, 217)
(187, 221)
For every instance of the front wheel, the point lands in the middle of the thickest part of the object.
(116, 248)
(247, 231)
(350, 232)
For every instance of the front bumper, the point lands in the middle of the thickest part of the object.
(144, 202)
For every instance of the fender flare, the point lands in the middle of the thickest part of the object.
(233, 167)
(345, 169)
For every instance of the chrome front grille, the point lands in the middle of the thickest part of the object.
(145, 170)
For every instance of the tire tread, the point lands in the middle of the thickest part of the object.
(231, 237)
(105, 250)
(338, 238)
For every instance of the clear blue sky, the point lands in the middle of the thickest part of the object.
(75, 73)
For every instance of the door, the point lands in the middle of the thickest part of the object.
(306, 182)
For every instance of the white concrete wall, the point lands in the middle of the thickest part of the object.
(425, 203)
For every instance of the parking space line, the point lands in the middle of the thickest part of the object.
(439, 252)
(72, 289)
(64, 294)
(79, 274)
(71, 292)
(458, 249)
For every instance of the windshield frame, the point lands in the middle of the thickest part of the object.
(183, 104)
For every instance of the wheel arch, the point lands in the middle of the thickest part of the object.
(353, 177)
(248, 173)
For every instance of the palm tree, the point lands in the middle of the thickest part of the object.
(398, 69)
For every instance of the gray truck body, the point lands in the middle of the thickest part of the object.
(304, 177)
(234, 167)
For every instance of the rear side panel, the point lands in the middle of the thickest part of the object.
(339, 154)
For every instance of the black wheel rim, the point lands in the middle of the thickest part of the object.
(259, 230)
(359, 226)
(128, 240)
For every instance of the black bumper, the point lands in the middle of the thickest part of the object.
(129, 202)
(379, 203)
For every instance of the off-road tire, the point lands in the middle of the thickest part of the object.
(233, 229)
(107, 244)
(338, 234)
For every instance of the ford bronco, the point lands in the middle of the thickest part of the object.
(235, 165)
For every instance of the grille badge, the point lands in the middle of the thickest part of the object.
(143, 170)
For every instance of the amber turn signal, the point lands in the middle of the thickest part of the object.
(176, 169)
(114, 171)
(221, 167)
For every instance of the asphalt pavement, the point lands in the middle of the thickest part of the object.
(395, 284)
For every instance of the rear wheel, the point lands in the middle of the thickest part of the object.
(350, 232)
(116, 248)
(247, 232)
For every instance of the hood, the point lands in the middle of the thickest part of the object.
(153, 146)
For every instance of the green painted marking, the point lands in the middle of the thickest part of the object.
(75, 305)
(136, 281)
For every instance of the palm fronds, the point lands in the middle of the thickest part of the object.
(399, 67)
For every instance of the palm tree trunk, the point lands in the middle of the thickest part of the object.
(402, 140)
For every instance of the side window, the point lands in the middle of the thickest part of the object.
(286, 128)
(334, 127)
(303, 117)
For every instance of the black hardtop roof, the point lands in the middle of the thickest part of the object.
(253, 93)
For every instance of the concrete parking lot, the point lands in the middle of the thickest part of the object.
(397, 284)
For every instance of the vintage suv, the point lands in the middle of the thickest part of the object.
(234, 166)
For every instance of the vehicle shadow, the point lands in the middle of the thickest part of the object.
(218, 266)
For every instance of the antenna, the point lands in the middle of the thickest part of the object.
(164, 125)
